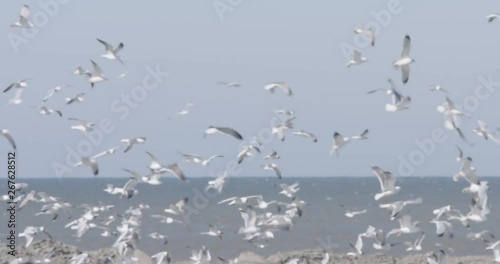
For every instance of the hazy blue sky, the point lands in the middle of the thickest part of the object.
(255, 43)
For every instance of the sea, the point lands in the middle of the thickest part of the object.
(322, 224)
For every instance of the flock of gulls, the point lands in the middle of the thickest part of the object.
(261, 219)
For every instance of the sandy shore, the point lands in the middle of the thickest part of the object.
(64, 253)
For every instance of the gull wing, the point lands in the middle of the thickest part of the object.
(97, 69)
(107, 46)
(406, 47)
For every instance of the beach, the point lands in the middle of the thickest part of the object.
(64, 252)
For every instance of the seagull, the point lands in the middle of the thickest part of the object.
(52, 91)
(281, 85)
(338, 142)
(177, 208)
(443, 227)
(303, 133)
(404, 61)
(435, 88)
(157, 236)
(30, 231)
(479, 235)
(289, 190)
(223, 130)
(217, 183)
(387, 183)
(24, 16)
(132, 141)
(174, 169)
(272, 167)
(439, 258)
(272, 155)
(75, 99)
(47, 111)
(96, 76)
(388, 91)
(350, 213)
(83, 125)
(406, 226)
(162, 258)
(246, 152)
(92, 161)
(398, 206)
(111, 52)
(484, 132)
(284, 111)
(213, 231)
(361, 136)
(89, 162)
(356, 59)
(7, 135)
(467, 172)
(191, 158)
(240, 200)
(184, 111)
(80, 71)
(492, 17)
(381, 243)
(281, 128)
(229, 84)
(417, 245)
(166, 219)
(368, 32)
(358, 247)
(399, 102)
(19, 85)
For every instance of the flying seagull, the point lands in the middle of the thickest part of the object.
(438, 88)
(338, 142)
(484, 132)
(272, 155)
(20, 84)
(111, 52)
(184, 111)
(52, 91)
(492, 17)
(223, 130)
(272, 167)
(306, 134)
(24, 16)
(356, 59)
(130, 142)
(387, 183)
(404, 61)
(47, 111)
(280, 85)
(7, 135)
(82, 125)
(361, 136)
(368, 32)
(74, 99)
(229, 84)
(96, 76)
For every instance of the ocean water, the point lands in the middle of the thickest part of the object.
(322, 222)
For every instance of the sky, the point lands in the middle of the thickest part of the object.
(199, 43)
